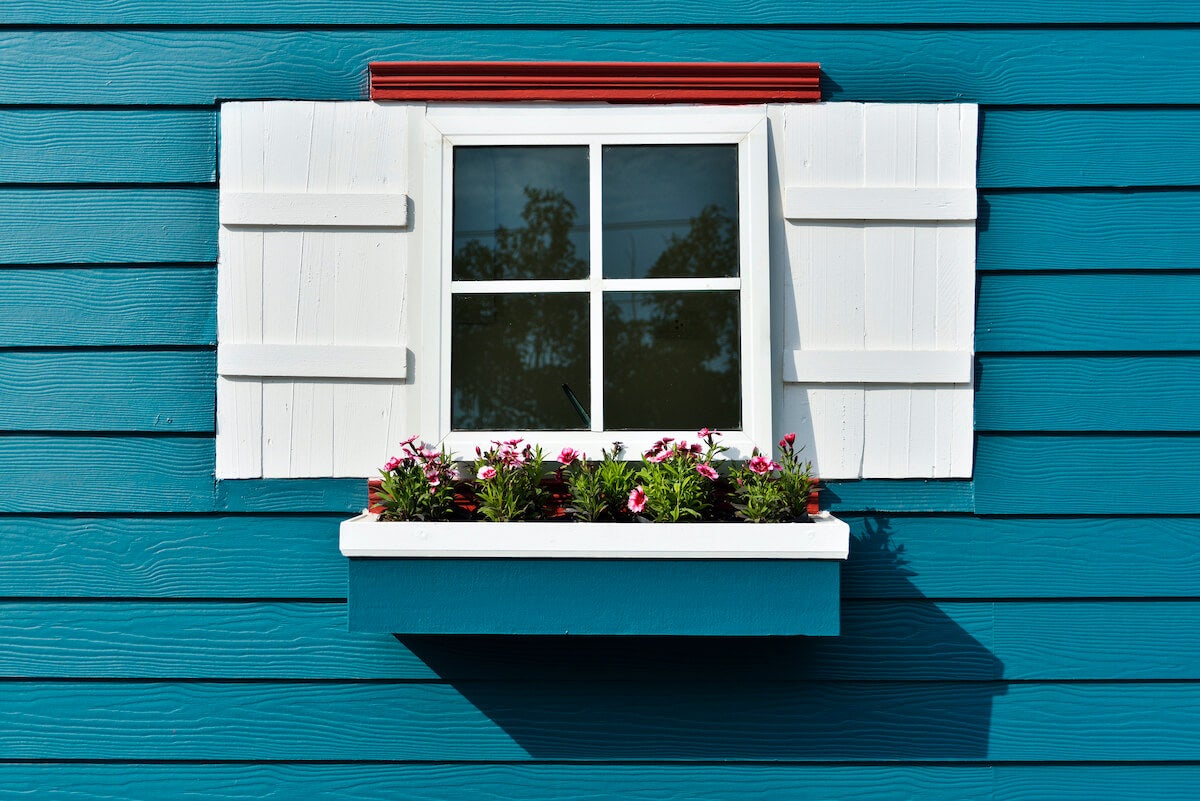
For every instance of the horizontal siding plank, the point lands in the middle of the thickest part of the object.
(880, 640)
(1087, 393)
(1089, 230)
(897, 495)
(49, 473)
(46, 226)
(515, 782)
(1087, 474)
(286, 556)
(650, 721)
(106, 391)
(674, 12)
(1030, 148)
(40, 145)
(892, 556)
(105, 306)
(1086, 65)
(971, 557)
(1088, 312)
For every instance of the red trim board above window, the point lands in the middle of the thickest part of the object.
(617, 82)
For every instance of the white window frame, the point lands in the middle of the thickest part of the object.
(450, 125)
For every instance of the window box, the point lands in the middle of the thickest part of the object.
(733, 579)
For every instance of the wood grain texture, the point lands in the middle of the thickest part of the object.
(346, 495)
(1089, 230)
(514, 782)
(535, 782)
(106, 391)
(1088, 393)
(105, 306)
(1087, 474)
(972, 557)
(1088, 312)
(892, 556)
(675, 12)
(46, 226)
(107, 473)
(845, 277)
(285, 556)
(649, 721)
(1055, 147)
(898, 495)
(880, 640)
(1086, 65)
(47, 145)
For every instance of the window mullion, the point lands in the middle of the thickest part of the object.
(596, 316)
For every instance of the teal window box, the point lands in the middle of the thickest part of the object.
(692, 579)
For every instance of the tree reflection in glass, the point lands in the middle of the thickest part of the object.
(520, 213)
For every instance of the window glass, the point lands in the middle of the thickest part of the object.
(671, 360)
(511, 357)
(520, 213)
(670, 211)
(668, 358)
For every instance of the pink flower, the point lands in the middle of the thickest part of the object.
(410, 440)
(659, 457)
(696, 448)
(487, 472)
(637, 500)
(761, 465)
(568, 456)
(788, 441)
(392, 464)
(706, 471)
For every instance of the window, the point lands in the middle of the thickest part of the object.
(601, 275)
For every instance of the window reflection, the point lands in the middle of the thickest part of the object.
(509, 357)
(520, 213)
(659, 198)
(671, 360)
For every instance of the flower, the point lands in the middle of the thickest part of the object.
(788, 440)
(410, 440)
(392, 464)
(658, 457)
(637, 500)
(487, 472)
(707, 433)
(568, 456)
(761, 465)
(706, 471)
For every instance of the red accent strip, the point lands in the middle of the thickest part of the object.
(615, 82)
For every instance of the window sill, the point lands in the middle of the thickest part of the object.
(696, 579)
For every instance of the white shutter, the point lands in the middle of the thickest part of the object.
(313, 288)
(876, 260)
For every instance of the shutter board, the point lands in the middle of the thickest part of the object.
(312, 353)
(880, 239)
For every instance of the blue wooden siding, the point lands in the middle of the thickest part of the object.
(1018, 637)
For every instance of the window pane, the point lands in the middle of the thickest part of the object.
(670, 211)
(520, 212)
(672, 360)
(511, 355)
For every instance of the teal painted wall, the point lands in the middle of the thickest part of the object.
(1020, 637)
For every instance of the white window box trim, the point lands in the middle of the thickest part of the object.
(825, 538)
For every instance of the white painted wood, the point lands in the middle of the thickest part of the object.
(873, 276)
(825, 538)
(878, 367)
(326, 287)
(313, 361)
(583, 121)
(293, 209)
(879, 203)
